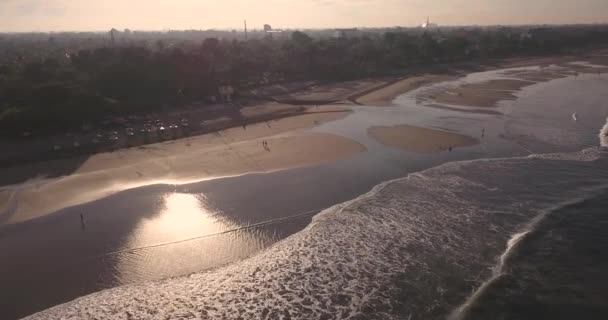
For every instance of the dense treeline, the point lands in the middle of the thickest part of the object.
(58, 92)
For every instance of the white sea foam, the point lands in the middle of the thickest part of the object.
(590, 154)
(497, 271)
(588, 64)
(392, 253)
(603, 135)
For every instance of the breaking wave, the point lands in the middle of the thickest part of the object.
(604, 135)
(412, 248)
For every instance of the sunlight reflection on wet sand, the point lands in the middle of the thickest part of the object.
(186, 235)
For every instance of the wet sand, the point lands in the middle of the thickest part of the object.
(465, 110)
(163, 231)
(229, 152)
(484, 94)
(488, 93)
(481, 94)
(384, 96)
(125, 222)
(157, 232)
(418, 139)
(77, 146)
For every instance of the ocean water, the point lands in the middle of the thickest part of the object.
(434, 244)
(430, 245)
(557, 270)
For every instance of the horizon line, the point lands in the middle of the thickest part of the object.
(164, 30)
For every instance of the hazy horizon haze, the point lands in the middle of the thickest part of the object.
(97, 15)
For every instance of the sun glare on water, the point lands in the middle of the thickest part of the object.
(161, 242)
(181, 216)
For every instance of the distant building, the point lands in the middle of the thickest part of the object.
(428, 24)
(525, 35)
(226, 93)
(275, 34)
(113, 34)
(345, 33)
(271, 33)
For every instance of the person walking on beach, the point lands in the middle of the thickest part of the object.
(265, 145)
(82, 224)
(483, 132)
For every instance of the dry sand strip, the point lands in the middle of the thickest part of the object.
(384, 96)
(489, 93)
(417, 139)
(465, 109)
(229, 152)
(483, 94)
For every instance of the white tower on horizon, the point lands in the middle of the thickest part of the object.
(428, 24)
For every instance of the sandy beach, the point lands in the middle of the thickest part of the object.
(239, 150)
(187, 205)
(487, 93)
(385, 95)
(484, 94)
(421, 140)
(229, 152)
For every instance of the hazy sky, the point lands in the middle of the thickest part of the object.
(68, 15)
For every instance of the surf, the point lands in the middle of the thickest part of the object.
(436, 235)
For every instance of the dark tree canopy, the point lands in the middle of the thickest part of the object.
(50, 85)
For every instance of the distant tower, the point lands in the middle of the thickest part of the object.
(428, 24)
(245, 22)
(113, 35)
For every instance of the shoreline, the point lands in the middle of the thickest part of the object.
(246, 275)
(253, 118)
(384, 95)
(234, 151)
(101, 173)
(487, 93)
(380, 91)
(156, 214)
(419, 139)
